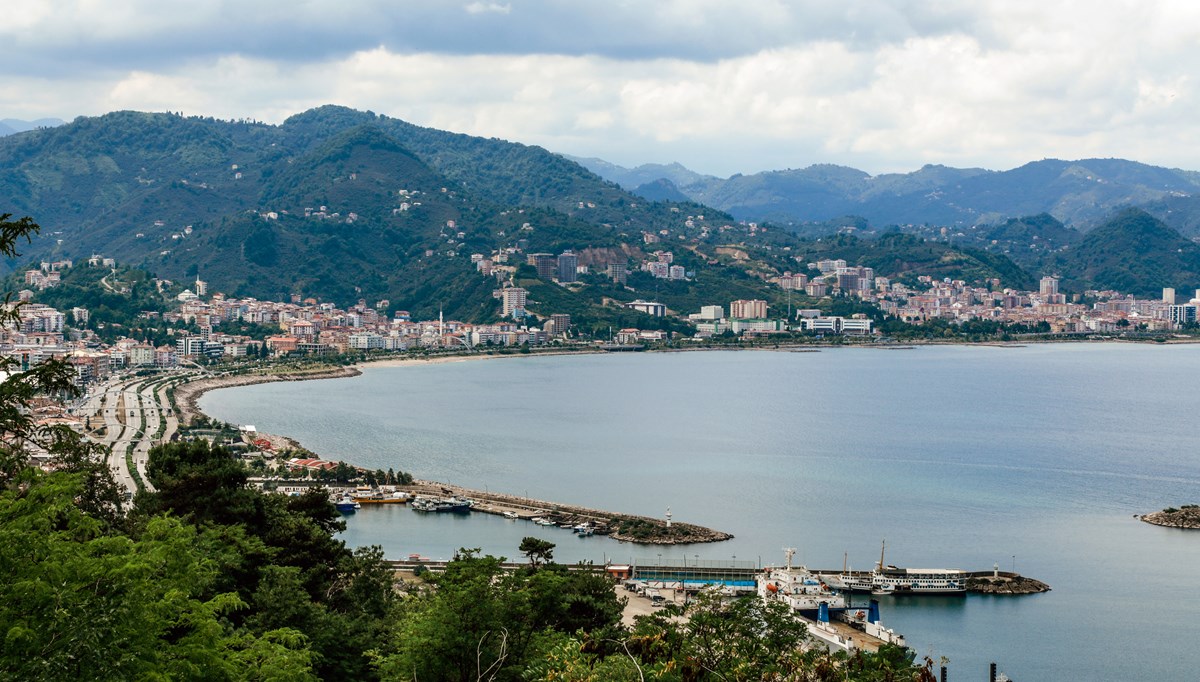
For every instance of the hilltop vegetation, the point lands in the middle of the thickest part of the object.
(1133, 253)
(344, 205)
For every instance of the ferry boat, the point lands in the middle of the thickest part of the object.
(798, 587)
(889, 579)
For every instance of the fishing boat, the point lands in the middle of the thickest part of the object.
(346, 504)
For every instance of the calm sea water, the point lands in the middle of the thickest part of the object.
(1034, 457)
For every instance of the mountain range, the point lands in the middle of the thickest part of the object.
(346, 205)
(1081, 194)
(10, 126)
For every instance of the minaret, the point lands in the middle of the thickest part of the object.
(441, 324)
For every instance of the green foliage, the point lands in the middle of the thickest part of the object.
(481, 622)
(537, 549)
(1133, 253)
(81, 603)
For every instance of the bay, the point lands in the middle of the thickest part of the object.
(960, 456)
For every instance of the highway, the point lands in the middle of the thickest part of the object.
(132, 411)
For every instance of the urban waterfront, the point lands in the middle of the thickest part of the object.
(1034, 457)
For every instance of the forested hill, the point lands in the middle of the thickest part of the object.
(345, 205)
(1134, 253)
(240, 203)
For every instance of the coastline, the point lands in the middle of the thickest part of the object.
(622, 527)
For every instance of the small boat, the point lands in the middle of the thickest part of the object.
(511, 515)
(446, 504)
(346, 504)
(380, 497)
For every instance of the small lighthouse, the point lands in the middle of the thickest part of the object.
(668, 517)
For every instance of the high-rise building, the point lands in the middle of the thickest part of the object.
(748, 310)
(1169, 296)
(546, 264)
(562, 322)
(1048, 287)
(617, 272)
(568, 267)
(512, 299)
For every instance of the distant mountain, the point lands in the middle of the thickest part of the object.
(10, 126)
(631, 178)
(1133, 252)
(1078, 193)
(661, 190)
(1180, 212)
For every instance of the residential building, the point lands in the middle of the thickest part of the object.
(748, 310)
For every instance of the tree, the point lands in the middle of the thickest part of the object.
(537, 549)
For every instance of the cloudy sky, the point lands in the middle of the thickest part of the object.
(721, 86)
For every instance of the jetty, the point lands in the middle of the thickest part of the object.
(624, 527)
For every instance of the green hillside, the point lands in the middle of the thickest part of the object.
(1133, 253)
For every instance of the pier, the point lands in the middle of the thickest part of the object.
(624, 527)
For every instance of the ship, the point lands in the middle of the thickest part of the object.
(798, 587)
(346, 504)
(889, 579)
(369, 496)
(458, 505)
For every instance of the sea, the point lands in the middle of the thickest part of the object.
(1035, 459)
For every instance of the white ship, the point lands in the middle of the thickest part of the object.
(887, 579)
(798, 587)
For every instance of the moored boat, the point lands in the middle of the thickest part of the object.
(380, 497)
(346, 504)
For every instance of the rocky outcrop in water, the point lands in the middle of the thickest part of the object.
(1006, 584)
(1187, 516)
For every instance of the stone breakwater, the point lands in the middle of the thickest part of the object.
(187, 395)
(1187, 517)
(624, 527)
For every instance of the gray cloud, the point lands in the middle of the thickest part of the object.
(56, 37)
(724, 87)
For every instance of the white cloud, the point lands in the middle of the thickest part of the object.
(878, 85)
(485, 7)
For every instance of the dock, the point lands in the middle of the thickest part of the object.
(624, 527)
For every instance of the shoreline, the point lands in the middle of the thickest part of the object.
(1187, 518)
(189, 393)
(631, 528)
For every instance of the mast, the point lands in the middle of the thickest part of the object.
(881, 548)
(789, 552)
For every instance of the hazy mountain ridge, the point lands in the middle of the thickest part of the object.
(1079, 193)
(12, 126)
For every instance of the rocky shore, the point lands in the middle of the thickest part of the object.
(1187, 517)
(1006, 584)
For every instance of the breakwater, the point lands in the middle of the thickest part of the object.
(623, 527)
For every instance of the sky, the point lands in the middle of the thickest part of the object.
(722, 87)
